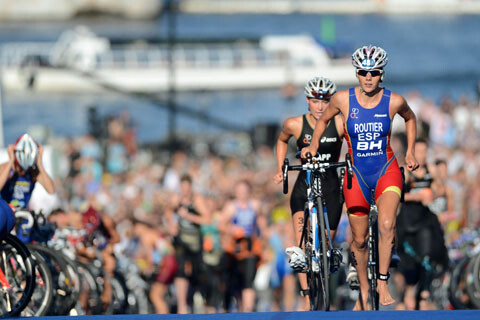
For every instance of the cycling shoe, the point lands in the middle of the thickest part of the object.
(352, 278)
(297, 259)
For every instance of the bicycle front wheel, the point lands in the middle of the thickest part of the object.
(16, 276)
(312, 279)
(324, 273)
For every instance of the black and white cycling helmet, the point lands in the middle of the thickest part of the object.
(320, 88)
(369, 58)
(26, 151)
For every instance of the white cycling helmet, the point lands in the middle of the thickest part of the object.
(369, 58)
(26, 151)
(320, 88)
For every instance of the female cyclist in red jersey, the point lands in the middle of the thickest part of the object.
(368, 111)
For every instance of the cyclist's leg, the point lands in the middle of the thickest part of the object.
(359, 252)
(298, 222)
(109, 263)
(387, 194)
(165, 276)
(331, 191)
(358, 207)
(181, 280)
(297, 205)
(248, 270)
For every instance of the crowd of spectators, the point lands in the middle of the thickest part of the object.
(136, 185)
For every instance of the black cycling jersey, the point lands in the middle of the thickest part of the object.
(415, 183)
(189, 233)
(188, 248)
(330, 145)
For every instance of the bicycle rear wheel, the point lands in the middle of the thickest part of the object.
(372, 268)
(17, 277)
(324, 274)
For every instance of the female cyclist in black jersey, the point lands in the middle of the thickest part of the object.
(318, 92)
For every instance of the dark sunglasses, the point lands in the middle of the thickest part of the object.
(373, 73)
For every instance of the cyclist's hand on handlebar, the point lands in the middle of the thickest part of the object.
(412, 163)
(306, 150)
(278, 178)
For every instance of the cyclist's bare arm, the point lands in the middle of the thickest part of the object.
(262, 222)
(291, 127)
(6, 167)
(332, 110)
(400, 106)
(111, 228)
(225, 218)
(339, 124)
(204, 216)
(43, 178)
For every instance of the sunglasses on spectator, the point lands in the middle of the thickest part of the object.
(373, 73)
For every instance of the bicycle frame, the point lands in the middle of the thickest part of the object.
(314, 198)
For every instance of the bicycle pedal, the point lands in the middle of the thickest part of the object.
(299, 270)
(394, 261)
(352, 279)
(354, 284)
(336, 259)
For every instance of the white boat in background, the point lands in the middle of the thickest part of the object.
(82, 61)
(64, 10)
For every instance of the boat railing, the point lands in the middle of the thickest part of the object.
(147, 56)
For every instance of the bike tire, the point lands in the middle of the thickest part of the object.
(90, 295)
(324, 274)
(471, 276)
(17, 266)
(62, 279)
(373, 267)
(455, 289)
(476, 272)
(312, 278)
(42, 296)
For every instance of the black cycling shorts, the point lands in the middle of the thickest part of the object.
(189, 262)
(331, 192)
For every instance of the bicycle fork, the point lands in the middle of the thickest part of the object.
(314, 236)
(4, 282)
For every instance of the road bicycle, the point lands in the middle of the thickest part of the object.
(322, 259)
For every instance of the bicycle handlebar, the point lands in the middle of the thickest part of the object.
(312, 164)
(285, 175)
